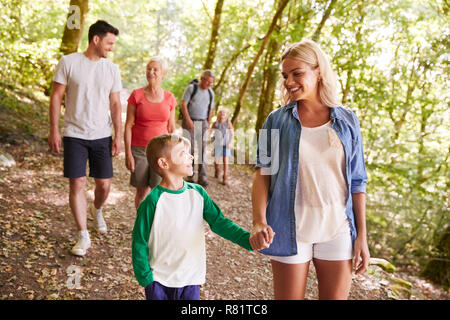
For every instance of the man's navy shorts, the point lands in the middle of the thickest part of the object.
(78, 151)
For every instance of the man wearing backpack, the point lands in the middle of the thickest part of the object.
(196, 106)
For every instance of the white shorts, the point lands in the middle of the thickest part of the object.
(340, 248)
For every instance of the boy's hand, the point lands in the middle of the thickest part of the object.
(261, 236)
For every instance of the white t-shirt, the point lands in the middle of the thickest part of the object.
(168, 243)
(89, 85)
(321, 191)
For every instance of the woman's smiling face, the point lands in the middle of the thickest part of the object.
(300, 80)
(154, 73)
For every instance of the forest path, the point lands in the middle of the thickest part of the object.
(37, 231)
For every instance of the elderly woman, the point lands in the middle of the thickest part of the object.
(150, 113)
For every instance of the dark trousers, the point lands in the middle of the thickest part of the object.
(156, 291)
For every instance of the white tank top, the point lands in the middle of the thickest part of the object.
(321, 192)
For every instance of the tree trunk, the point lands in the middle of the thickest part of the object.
(359, 39)
(232, 60)
(270, 77)
(325, 17)
(282, 4)
(217, 84)
(214, 36)
(438, 268)
(74, 26)
(271, 67)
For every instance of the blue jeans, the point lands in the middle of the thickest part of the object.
(156, 291)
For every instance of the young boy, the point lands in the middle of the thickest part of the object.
(168, 246)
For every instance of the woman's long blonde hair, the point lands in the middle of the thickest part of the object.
(309, 52)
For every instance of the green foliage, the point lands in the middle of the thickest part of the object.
(391, 60)
(22, 113)
(29, 40)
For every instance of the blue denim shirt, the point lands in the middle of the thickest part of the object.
(278, 156)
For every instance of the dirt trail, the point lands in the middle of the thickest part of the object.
(37, 232)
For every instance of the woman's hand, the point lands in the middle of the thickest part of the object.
(361, 254)
(261, 236)
(129, 162)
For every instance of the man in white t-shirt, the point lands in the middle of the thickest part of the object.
(92, 87)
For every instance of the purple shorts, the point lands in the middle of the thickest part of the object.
(156, 291)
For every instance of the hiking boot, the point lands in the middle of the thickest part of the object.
(82, 245)
(100, 223)
(203, 183)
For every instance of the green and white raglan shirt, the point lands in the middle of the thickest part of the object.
(169, 238)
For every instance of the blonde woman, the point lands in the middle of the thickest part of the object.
(312, 191)
(150, 113)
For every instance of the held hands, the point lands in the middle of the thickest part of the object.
(261, 236)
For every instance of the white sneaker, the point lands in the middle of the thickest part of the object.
(98, 218)
(82, 245)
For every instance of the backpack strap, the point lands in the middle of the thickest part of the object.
(194, 91)
(210, 100)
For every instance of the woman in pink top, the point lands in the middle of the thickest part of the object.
(150, 113)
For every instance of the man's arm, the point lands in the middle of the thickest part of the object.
(212, 106)
(187, 117)
(56, 97)
(210, 117)
(116, 116)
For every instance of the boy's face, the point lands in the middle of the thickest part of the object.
(180, 160)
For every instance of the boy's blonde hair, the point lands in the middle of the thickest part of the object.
(310, 53)
(161, 146)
